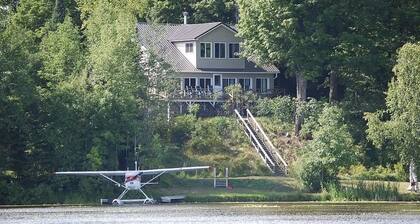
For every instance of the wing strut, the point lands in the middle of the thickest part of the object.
(112, 180)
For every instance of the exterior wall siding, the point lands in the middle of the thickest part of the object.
(219, 35)
(191, 56)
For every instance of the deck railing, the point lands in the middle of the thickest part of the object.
(198, 93)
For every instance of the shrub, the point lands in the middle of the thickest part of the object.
(182, 128)
(363, 192)
(282, 108)
(331, 148)
(312, 174)
(359, 172)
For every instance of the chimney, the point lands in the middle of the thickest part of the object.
(185, 14)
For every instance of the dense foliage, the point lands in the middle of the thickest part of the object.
(332, 147)
(78, 93)
(399, 125)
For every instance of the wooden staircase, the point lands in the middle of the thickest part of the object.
(262, 144)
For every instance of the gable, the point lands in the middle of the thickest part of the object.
(221, 33)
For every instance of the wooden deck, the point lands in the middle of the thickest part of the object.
(199, 95)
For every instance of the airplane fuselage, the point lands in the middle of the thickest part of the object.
(132, 180)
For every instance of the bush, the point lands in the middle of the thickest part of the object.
(359, 172)
(312, 174)
(282, 108)
(331, 149)
(363, 192)
(182, 128)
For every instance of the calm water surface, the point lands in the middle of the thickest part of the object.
(221, 213)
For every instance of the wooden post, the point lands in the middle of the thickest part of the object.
(214, 177)
(169, 111)
(227, 177)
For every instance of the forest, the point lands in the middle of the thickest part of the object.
(75, 91)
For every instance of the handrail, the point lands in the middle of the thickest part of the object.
(255, 138)
(265, 137)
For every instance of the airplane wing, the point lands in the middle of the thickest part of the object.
(93, 173)
(172, 170)
(123, 172)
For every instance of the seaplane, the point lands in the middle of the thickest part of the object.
(132, 180)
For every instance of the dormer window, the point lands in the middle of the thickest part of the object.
(233, 50)
(189, 48)
(205, 50)
(219, 50)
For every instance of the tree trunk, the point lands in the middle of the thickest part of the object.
(333, 87)
(413, 177)
(301, 85)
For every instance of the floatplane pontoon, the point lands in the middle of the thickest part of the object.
(132, 180)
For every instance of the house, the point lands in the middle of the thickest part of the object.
(206, 59)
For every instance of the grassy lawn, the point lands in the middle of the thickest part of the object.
(252, 188)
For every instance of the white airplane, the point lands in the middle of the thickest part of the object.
(132, 180)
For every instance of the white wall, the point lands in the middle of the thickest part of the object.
(191, 56)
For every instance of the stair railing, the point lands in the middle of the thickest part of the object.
(265, 138)
(258, 147)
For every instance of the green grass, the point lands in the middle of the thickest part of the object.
(276, 189)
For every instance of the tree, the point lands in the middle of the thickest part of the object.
(202, 11)
(332, 147)
(238, 99)
(205, 11)
(399, 124)
(61, 53)
(282, 32)
(59, 11)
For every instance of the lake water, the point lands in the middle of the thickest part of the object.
(221, 213)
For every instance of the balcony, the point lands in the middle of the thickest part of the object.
(198, 94)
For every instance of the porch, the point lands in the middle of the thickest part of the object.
(197, 94)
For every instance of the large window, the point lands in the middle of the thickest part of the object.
(189, 82)
(233, 50)
(189, 47)
(205, 50)
(245, 83)
(262, 85)
(219, 50)
(205, 83)
(217, 80)
(228, 82)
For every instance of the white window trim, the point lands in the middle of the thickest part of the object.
(214, 49)
(211, 50)
(239, 44)
(211, 82)
(221, 80)
(268, 83)
(236, 81)
(250, 82)
(192, 49)
(183, 81)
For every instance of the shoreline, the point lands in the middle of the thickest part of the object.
(228, 203)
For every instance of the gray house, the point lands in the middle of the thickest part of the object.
(206, 59)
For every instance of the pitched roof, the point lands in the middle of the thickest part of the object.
(187, 32)
(160, 38)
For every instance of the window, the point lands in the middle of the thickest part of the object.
(217, 80)
(262, 85)
(189, 82)
(219, 50)
(205, 83)
(189, 47)
(245, 83)
(233, 50)
(205, 50)
(228, 82)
